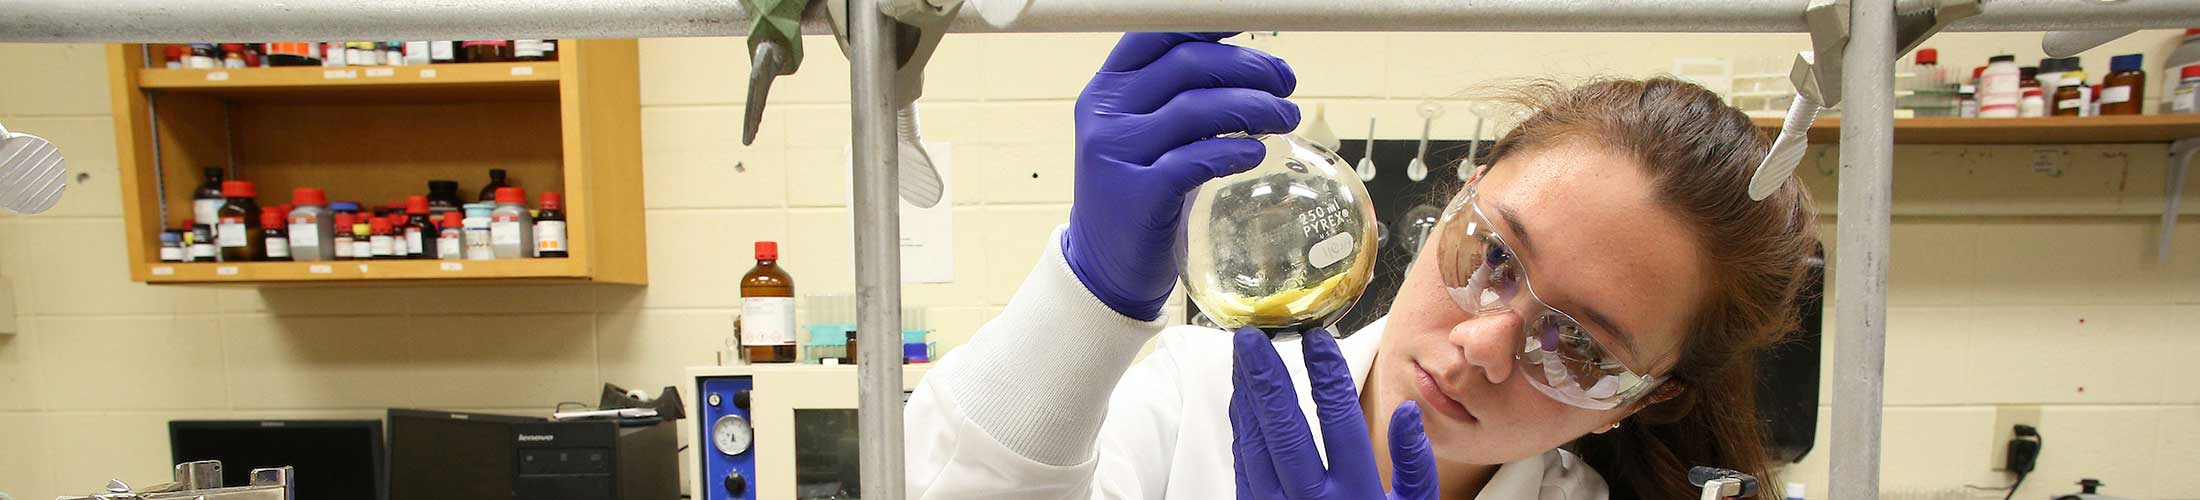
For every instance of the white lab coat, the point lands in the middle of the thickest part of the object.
(1042, 376)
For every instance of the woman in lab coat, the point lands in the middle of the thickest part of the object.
(1580, 326)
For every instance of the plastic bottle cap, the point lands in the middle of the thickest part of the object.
(553, 201)
(312, 197)
(233, 47)
(171, 236)
(271, 219)
(2001, 58)
(2028, 73)
(767, 250)
(2191, 32)
(1975, 72)
(453, 219)
(2126, 62)
(343, 220)
(1928, 56)
(237, 189)
(1795, 490)
(344, 206)
(511, 195)
(416, 205)
(496, 173)
(2192, 71)
(380, 225)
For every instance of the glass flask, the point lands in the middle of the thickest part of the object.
(1285, 247)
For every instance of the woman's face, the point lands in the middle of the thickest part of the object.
(1597, 246)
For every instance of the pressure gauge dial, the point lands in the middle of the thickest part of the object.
(731, 434)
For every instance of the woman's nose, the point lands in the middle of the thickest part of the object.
(1489, 342)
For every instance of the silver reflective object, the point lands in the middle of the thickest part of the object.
(31, 170)
(1287, 246)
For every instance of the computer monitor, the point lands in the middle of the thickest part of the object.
(332, 459)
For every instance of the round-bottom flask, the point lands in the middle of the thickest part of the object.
(1285, 247)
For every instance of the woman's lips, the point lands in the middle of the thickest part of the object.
(1433, 395)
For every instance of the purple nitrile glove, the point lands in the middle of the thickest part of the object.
(1146, 128)
(1274, 449)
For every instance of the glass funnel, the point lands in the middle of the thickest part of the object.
(1285, 247)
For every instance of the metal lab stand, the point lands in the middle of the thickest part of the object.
(1867, 137)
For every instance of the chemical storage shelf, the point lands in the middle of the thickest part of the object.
(376, 134)
(2049, 130)
(544, 270)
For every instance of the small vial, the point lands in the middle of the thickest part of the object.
(380, 243)
(171, 246)
(277, 235)
(450, 242)
(2033, 105)
(418, 230)
(343, 236)
(511, 227)
(202, 244)
(362, 237)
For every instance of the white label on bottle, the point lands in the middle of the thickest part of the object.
(339, 74)
(523, 70)
(203, 62)
(440, 51)
(380, 245)
(504, 232)
(549, 236)
(1330, 250)
(362, 248)
(217, 76)
(414, 243)
(231, 233)
(171, 254)
(2116, 94)
(320, 269)
(527, 48)
(206, 210)
(2184, 101)
(454, 266)
(2068, 104)
(767, 321)
(450, 247)
(163, 271)
(381, 72)
(477, 245)
(427, 73)
(278, 247)
(225, 270)
(233, 62)
(343, 247)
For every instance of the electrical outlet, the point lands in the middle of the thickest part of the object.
(2006, 419)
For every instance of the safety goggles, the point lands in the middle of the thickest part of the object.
(1559, 356)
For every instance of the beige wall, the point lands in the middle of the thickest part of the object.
(2008, 287)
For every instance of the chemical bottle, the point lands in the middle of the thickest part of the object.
(313, 233)
(207, 200)
(443, 198)
(529, 50)
(233, 56)
(418, 229)
(362, 237)
(2123, 91)
(477, 232)
(767, 309)
(202, 244)
(239, 231)
(343, 238)
(277, 236)
(380, 242)
(2033, 105)
(450, 241)
(486, 50)
(511, 228)
(204, 56)
(442, 51)
(171, 246)
(2050, 77)
(1967, 101)
(2070, 97)
(2186, 55)
(2187, 97)
(1997, 88)
(174, 57)
(496, 181)
(550, 227)
(332, 54)
(2027, 77)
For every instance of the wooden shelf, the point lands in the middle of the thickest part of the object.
(395, 271)
(376, 134)
(2051, 130)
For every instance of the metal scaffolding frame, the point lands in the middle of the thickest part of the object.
(1866, 137)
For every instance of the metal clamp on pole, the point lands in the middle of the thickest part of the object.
(1817, 74)
(919, 25)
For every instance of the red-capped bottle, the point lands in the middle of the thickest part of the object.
(343, 240)
(238, 233)
(550, 227)
(767, 309)
(276, 235)
(418, 230)
(380, 245)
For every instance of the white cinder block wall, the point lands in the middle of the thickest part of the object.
(2008, 286)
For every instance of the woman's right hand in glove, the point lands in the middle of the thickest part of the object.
(1146, 128)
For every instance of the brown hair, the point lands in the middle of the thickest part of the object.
(1700, 154)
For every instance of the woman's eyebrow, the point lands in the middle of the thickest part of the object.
(1521, 239)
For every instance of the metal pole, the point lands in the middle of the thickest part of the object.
(1860, 285)
(877, 210)
(194, 20)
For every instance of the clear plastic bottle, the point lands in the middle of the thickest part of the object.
(312, 231)
(477, 232)
(2187, 97)
(1998, 88)
(511, 226)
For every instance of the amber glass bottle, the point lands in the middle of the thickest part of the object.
(767, 309)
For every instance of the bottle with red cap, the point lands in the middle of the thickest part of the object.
(766, 325)
(380, 244)
(362, 236)
(272, 231)
(511, 227)
(2186, 99)
(450, 241)
(344, 242)
(550, 227)
(418, 230)
(313, 233)
(238, 233)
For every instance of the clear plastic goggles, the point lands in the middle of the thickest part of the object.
(1559, 356)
